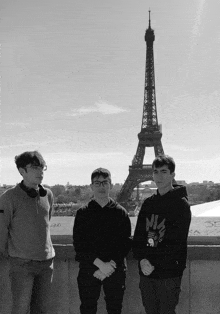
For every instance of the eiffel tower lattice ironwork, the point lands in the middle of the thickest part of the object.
(150, 135)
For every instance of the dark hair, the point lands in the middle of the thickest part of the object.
(105, 173)
(162, 160)
(26, 158)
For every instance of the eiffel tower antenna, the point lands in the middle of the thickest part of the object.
(150, 134)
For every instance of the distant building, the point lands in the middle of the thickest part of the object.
(194, 183)
(208, 183)
(181, 182)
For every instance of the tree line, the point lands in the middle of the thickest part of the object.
(82, 194)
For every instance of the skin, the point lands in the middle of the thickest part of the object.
(32, 177)
(163, 179)
(101, 193)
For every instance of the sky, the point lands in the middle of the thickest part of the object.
(72, 85)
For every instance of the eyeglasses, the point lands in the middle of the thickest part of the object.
(99, 183)
(44, 168)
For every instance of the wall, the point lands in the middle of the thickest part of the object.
(200, 285)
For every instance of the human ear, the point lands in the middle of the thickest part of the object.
(21, 171)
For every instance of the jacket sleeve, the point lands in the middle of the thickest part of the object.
(181, 225)
(6, 212)
(82, 243)
(122, 243)
(139, 238)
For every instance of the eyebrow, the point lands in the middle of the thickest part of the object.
(164, 170)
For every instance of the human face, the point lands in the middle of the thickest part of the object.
(32, 175)
(101, 187)
(163, 178)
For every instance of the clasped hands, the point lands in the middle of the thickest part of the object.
(105, 270)
(146, 267)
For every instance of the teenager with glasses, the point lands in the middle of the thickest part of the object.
(25, 212)
(101, 237)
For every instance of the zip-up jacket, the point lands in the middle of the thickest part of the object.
(161, 233)
(103, 233)
(25, 226)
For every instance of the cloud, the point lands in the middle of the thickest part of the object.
(67, 158)
(99, 107)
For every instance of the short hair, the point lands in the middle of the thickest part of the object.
(105, 173)
(30, 157)
(162, 160)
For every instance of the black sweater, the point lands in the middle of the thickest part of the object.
(103, 233)
(161, 233)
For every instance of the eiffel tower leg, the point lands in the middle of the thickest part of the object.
(127, 188)
(139, 156)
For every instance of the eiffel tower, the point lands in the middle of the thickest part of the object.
(150, 134)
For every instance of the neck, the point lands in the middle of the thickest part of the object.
(30, 185)
(165, 190)
(102, 201)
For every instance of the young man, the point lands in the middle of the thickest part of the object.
(101, 237)
(160, 240)
(25, 212)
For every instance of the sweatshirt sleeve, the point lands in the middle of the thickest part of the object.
(6, 212)
(122, 242)
(81, 240)
(181, 224)
(139, 238)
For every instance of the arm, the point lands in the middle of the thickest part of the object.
(6, 210)
(84, 246)
(82, 241)
(139, 244)
(122, 239)
(51, 202)
(140, 236)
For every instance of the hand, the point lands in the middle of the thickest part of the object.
(113, 264)
(146, 267)
(107, 268)
(99, 275)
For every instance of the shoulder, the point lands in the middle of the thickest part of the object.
(49, 192)
(149, 200)
(10, 193)
(118, 207)
(86, 208)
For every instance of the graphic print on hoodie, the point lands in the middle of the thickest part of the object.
(155, 230)
(161, 232)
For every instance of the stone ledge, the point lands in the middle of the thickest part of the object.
(195, 252)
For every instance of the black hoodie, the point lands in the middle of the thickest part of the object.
(103, 233)
(161, 233)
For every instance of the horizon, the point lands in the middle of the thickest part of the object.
(73, 86)
(114, 183)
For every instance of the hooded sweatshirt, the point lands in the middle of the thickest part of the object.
(101, 232)
(161, 233)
